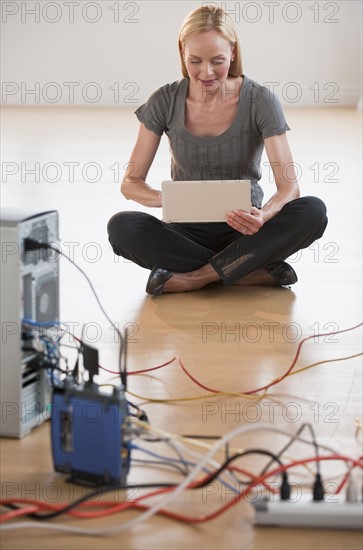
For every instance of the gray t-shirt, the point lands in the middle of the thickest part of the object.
(235, 154)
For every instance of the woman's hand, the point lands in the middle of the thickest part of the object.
(134, 186)
(244, 222)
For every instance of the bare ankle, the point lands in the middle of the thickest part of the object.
(257, 277)
(191, 280)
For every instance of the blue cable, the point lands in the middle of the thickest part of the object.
(184, 462)
(39, 323)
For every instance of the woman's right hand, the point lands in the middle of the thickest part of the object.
(134, 186)
(245, 222)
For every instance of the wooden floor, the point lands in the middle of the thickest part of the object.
(233, 339)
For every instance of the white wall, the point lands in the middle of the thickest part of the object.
(309, 49)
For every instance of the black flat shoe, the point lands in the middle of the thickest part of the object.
(283, 273)
(157, 278)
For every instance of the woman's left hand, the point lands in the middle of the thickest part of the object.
(244, 222)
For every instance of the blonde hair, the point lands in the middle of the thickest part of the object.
(211, 18)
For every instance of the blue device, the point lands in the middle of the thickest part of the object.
(88, 434)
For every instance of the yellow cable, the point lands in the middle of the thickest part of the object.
(190, 441)
(311, 366)
(203, 444)
(326, 361)
(236, 394)
(196, 397)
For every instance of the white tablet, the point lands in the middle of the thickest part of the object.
(204, 201)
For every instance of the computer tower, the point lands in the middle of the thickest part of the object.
(29, 290)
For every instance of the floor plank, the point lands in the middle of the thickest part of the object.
(232, 339)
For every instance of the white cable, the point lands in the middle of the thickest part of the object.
(196, 455)
(294, 438)
(197, 442)
(214, 463)
(157, 506)
(151, 511)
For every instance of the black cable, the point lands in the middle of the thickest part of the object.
(292, 440)
(316, 447)
(285, 486)
(123, 368)
(162, 463)
(50, 358)
(274, 457)
(133, 405)
(46, 365)
(74, 371)
(91, 495)
(232, 474)
(102, 490)
(234, 457)
(31, 244)
(318, 487)
(140, 413)
(278, 455)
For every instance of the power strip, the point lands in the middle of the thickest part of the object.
(333, 513)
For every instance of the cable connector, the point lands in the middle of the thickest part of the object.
(285, 489)
(31, 244)
(318, 489)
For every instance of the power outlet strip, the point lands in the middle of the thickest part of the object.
(333, 513)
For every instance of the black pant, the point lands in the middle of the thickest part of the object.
(183, 247)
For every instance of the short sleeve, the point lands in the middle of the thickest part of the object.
(153, 113)
(269, 115)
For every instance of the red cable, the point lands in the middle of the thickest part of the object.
(297, 355)
(112, 507)
(199, 519)
(218, 512)
(250, 392)
(281, 377)
(42, 506)
(140, 371)
(21, 512)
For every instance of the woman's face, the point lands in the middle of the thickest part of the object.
(207, 59)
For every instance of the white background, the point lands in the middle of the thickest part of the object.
(309, 49)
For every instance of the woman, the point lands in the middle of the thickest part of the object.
(218, 121)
